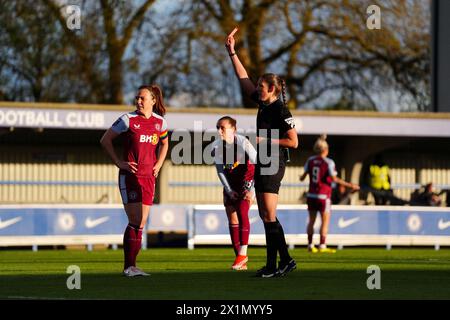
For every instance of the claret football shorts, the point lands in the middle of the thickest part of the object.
(135, 189)
(320, 205)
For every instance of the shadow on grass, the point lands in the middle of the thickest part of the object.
(189, 285)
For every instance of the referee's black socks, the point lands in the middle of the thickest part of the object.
(272, 235)
(282, 246)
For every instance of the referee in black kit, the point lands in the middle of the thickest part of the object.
(275, 133)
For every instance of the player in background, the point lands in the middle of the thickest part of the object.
(274, 118)
(235, 159)
(322, 174)
(143, 130)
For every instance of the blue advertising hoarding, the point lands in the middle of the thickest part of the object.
(421, 225)
(63, 220)
(209, 220)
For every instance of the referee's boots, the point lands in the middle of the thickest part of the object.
(265, 272)
(285, 268)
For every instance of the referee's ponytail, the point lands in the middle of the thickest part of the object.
(283, 91)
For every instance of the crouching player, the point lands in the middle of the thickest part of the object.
(322, 174)
(235, 157)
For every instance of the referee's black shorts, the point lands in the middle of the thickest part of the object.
(269, 183)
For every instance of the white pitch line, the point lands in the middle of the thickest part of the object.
(35, 298)
(48, 298)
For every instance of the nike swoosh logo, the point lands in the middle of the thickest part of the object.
(7, 223)
(342, 223)
(443, 225)
(92, 223)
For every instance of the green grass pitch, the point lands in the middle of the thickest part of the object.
(204, 274)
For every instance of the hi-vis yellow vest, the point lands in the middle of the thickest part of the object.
(379, 177)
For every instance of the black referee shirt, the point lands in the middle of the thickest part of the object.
(275, 116)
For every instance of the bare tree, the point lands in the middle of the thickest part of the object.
(113, 31)
(33, 56)
(323, 47)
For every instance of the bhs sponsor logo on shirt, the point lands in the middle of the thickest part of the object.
(153, 139)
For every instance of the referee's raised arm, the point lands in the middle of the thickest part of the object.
(246, 84)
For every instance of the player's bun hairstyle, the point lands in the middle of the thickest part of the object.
(278, 83)
(321, 144)
(156, 91)
(230, 120)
